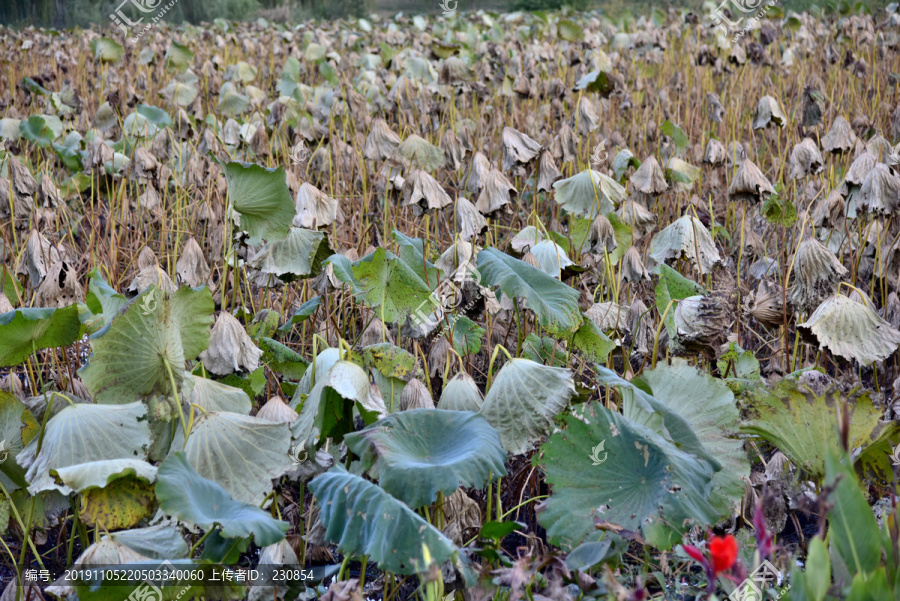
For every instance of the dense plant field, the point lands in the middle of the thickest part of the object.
(492, 306)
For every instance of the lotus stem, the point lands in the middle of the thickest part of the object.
(662, 322)
(184, 426)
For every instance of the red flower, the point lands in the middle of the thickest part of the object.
(723, 550)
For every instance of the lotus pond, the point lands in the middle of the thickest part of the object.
(486, 306)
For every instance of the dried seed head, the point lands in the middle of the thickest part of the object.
(766, 304)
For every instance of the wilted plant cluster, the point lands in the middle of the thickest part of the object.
(526, 305)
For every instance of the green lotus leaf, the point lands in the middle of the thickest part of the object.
(545, 350)
(681, 174)
(34, 87)
(324, 361)
(303, 312)
(853, 530)
(588, 194)
(672, 286)
(231, 102)
(314, 52)
(362, 519)
(598, 81)
(676, 133)
(290, 77)
(122, 504)
(137, 125)
(239, 452)
(551, 258)
(71, 157)
(154, 115)
(216, 396)
(570, 31)
(686, 238)
(97, 474)
(417, 454)
(283, 359)
(461, 394)
(106, 50)
(420, 69)
(262, 199)
(384, 282)
(646, 410)
(188, 496)
(803, 422)
(35, 130)
(328, 410)
(466, 334)
(10, 286)
(391, 390)
(299, 255)
(143, 350)
(708, 405)
(417, 153)
(554, 303)
(592, 342)
(82, 433)
(162, 541)
(17, 428)
(101, 298)
(178, 56)
(181, 93)
(244, 72)
(24, 331)
(391, 361)
(624, 159)
(412, 253)
(523, 401)
(604, 466)
(877, 458)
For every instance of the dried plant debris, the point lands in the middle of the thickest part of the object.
(603, 281)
